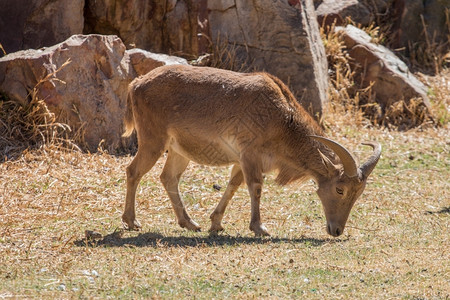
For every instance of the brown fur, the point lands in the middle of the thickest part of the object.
(219, 117)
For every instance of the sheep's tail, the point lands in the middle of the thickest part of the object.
(129, 117)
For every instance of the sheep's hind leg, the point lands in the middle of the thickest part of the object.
(144, 160)
(170, 177)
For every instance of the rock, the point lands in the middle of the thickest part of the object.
(375, 63)
(409, 26)
(144, 61)
(158, 26)
(279, 37)
(90, 92)
(332, 11)
(201, 61)
(34, 24)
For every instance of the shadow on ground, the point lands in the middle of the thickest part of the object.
(154, 239)
(443, 210)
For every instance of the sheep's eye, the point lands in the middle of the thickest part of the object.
(339, 191)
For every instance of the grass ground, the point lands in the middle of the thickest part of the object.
(396, 244)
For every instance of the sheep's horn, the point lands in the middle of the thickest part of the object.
(347, 159)
(370, 164)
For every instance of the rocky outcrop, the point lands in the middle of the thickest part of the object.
(34, 24)
(273, 36)
(363, 12)
(88, 93)
(157, 26)
(280, 37)
(375, 64)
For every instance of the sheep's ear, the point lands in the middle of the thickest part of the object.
(348, 161)
(328, 163)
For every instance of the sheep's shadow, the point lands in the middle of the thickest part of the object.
(156, 240)
(443, 210)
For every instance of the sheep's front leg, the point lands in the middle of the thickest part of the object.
(236, 180)
(252, 171)
(170, 177)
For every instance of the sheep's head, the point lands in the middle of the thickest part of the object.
(344, 184)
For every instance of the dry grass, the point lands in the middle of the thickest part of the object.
(32, 125)
(223, 54)
(429, 54)
(28, 126)
(3, 53)
(439, 94)
(395, 245)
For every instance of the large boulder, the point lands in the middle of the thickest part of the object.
(375, 64)
(33, 24)
(280, 37)
(362, 12)
(158, 26)
(89, 92)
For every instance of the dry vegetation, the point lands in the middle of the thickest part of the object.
(31, 124)
(347, 97)
(396, 244)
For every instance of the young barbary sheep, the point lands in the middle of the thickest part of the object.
(251, 121)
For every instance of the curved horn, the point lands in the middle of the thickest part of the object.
(347, 159)
(370, 164)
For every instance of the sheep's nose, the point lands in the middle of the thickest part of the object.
(334, 231)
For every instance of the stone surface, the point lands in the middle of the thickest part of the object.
(280, 37)
(90, 92)
(157, 26)
(375, 63)
(143, 61)
(332, 11)
(34, 24)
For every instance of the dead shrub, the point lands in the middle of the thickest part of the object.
(429, 55)
(32, 125)
(223, 55)
(405, 115)
(352, 103)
